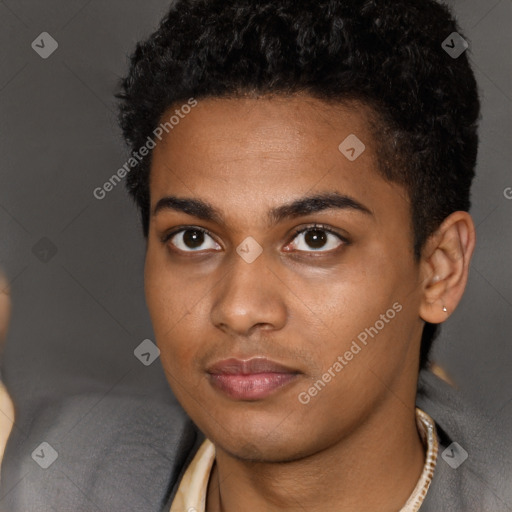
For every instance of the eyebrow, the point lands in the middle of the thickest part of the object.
(297, 208)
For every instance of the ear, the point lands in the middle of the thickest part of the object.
(445, 266)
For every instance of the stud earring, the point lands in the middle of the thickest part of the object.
(444, 309)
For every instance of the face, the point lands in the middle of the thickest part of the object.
(279, 276)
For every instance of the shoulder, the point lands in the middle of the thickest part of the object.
(91, 451)
(473, 470)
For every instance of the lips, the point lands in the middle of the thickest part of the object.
(252, 379)
(247, 367)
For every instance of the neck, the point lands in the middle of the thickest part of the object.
(375, 468)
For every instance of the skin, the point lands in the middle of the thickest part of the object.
(355, 445)
(5, 306)
(6, 405)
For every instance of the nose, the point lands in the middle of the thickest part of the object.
(249, 297)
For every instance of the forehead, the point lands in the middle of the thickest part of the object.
(276, 126)
(238, 133)
(242, 152)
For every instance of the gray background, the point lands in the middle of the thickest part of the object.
(78, 314)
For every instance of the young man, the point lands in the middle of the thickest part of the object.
(302, 171)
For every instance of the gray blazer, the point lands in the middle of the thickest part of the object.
(121, 454)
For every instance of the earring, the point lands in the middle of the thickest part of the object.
(444, 309)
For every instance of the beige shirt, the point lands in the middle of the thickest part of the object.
(6, 419)
(191, 494)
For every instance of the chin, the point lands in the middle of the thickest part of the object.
(252, 443)
(283, 452)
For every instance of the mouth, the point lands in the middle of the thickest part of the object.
(252, 379)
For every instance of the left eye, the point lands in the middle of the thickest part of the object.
(317, 239)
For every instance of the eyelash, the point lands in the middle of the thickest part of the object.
(312, 227)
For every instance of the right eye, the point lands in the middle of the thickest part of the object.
(191, 240)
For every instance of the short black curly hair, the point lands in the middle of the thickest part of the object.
(424, 102)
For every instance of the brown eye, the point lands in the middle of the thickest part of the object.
(317, 239)
(193, 240)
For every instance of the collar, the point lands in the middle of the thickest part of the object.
(191, 494)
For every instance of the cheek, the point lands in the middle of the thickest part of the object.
(176, 311)
(165, 304)
(366, 305)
